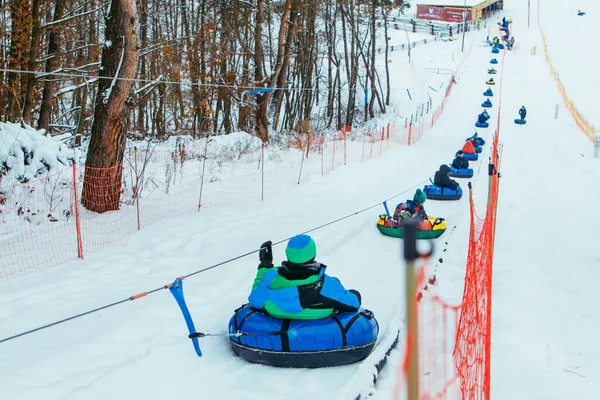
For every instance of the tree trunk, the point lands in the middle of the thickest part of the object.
(33, 53)
(385, 14)
(373, 67)
(19, 42)
(262, 123)
(103, 173)
(289, 44)
(51, 64)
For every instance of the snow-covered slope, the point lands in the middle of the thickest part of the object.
(543, 334)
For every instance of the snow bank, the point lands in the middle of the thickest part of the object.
(26, 154)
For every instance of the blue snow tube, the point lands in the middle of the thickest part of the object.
(482, 124)
(486, 104)
(434, 192)
(581, 13)
(493, 61)
(495, 50)
(520, 121)
(470, 156)
(488, 93)
(478, 149)
(460, 172)
(340, 339)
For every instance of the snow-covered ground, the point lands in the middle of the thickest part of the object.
(570, 47)
(544, 325)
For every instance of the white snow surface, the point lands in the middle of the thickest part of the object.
(544, 295)
(29, 154)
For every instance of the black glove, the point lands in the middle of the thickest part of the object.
(266, 255)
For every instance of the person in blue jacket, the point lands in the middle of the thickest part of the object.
(482, 118)
(299, 288)
(522, 113)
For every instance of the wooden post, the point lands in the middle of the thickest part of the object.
(202, 176)
(137, 187)
(262, 178)
(412, 322)
(77, 218)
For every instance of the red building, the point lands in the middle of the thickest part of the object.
(452, 10)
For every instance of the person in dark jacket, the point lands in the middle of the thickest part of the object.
(411, 208)
(442, 179)
(460, 161)
(299, 288)
(479, 141)
(523, 113)
(481, 118)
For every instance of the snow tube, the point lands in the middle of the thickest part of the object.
(434, 192)
(501, 46)
(430, 228)
(482, 124)
(488, 92)
(520, 121)
(340, 339)
(493, 61)
(490, 82)
(495, 50)
(492, 71)
(486, 104)
(478, 149)
(461, 172)
(470, 156)
(580, 14)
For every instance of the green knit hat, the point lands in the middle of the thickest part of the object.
(301, 249)
(419, 196)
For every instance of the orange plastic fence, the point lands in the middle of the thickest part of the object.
(455, 341)
(582, 123)
(79, 211)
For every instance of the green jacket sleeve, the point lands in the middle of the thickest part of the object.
(259, 275)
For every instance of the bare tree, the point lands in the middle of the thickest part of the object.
(107, 145)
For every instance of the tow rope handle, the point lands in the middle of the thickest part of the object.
(176, 289)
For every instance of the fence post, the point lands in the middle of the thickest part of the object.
(382, 139)
(322, 139)
(596, 146)
(556, 112)
(202, 176)
(412, 321)
(345, 136)
(362, 160)
(333, 156)
(262, 177)
(77, 217)
(137, 187)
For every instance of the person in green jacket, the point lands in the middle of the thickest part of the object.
(299, 288)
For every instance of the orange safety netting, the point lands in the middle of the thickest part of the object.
(454, 342)
(79, 210)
